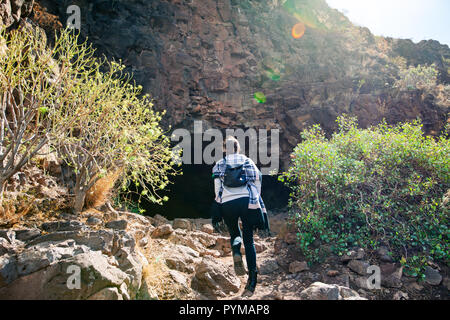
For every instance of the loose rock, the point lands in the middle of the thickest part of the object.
(162, 231)
(359, 266)
(432, 276)
(117, 224)
(320, 291)
(298, 266)
(214, 280)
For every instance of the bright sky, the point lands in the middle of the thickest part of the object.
(406, 19)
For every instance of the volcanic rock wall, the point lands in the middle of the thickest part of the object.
(11, 11)
(206, 59)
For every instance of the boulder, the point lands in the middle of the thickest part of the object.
(12, 11)
(111, 293)
(6, 247)
(182, 258)
(180, 279)
(93, 221)
(185, 239)
(320, 291)
(278, 245)
(9, 235)
(207, 228)
(143, 242)
(268, 267)
(52, 281)
(159, 220)
(348, 294)
(214, 279)
(260, 247)
(223, 244)
(432, 276)
(99, 259)
(27, 234)
(205, 239)
(332, 273)
(117, 224)
(8, 269)
(182, 224)
(142, 220)
(392, 280)
(359, 266)
(388, 268)
(162, 231)
(52, 164)
(355, 298)
(147, 292)
(298, 266)
(353, 255)
(383, 254)
(361, 282)
(96, 240)
(43, 254)
(400, 295)
(446, 283)
(415, 286)
(54, 226)
(210, 252)
(283, 261)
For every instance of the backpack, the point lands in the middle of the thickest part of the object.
(234, 176)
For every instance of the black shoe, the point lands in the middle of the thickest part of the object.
(239, 265)
(251, 282)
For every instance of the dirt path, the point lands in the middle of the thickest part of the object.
(271, 285)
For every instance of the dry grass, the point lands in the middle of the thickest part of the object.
(7, 211)
(99, 194)
(156, 274)
(12, 210)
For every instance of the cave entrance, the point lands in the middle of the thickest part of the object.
(191, 194)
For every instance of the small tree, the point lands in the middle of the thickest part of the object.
(83, 107)
(120, 131)
(30, 96)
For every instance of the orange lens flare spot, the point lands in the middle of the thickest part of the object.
(298, 30)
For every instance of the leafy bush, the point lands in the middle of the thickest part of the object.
(379, 186)
(420, 77)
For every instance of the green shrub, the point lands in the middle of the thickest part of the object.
(368, 187)
(420, 77)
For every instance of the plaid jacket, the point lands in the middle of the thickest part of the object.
(252, 175)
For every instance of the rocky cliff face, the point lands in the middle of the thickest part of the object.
(206, 59)
(12, 11)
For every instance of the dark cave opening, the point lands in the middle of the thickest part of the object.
(191, 194)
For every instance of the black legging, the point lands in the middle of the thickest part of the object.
(231, 212)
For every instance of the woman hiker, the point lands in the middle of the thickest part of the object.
(237, 184)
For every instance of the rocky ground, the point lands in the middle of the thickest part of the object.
(123, 255)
